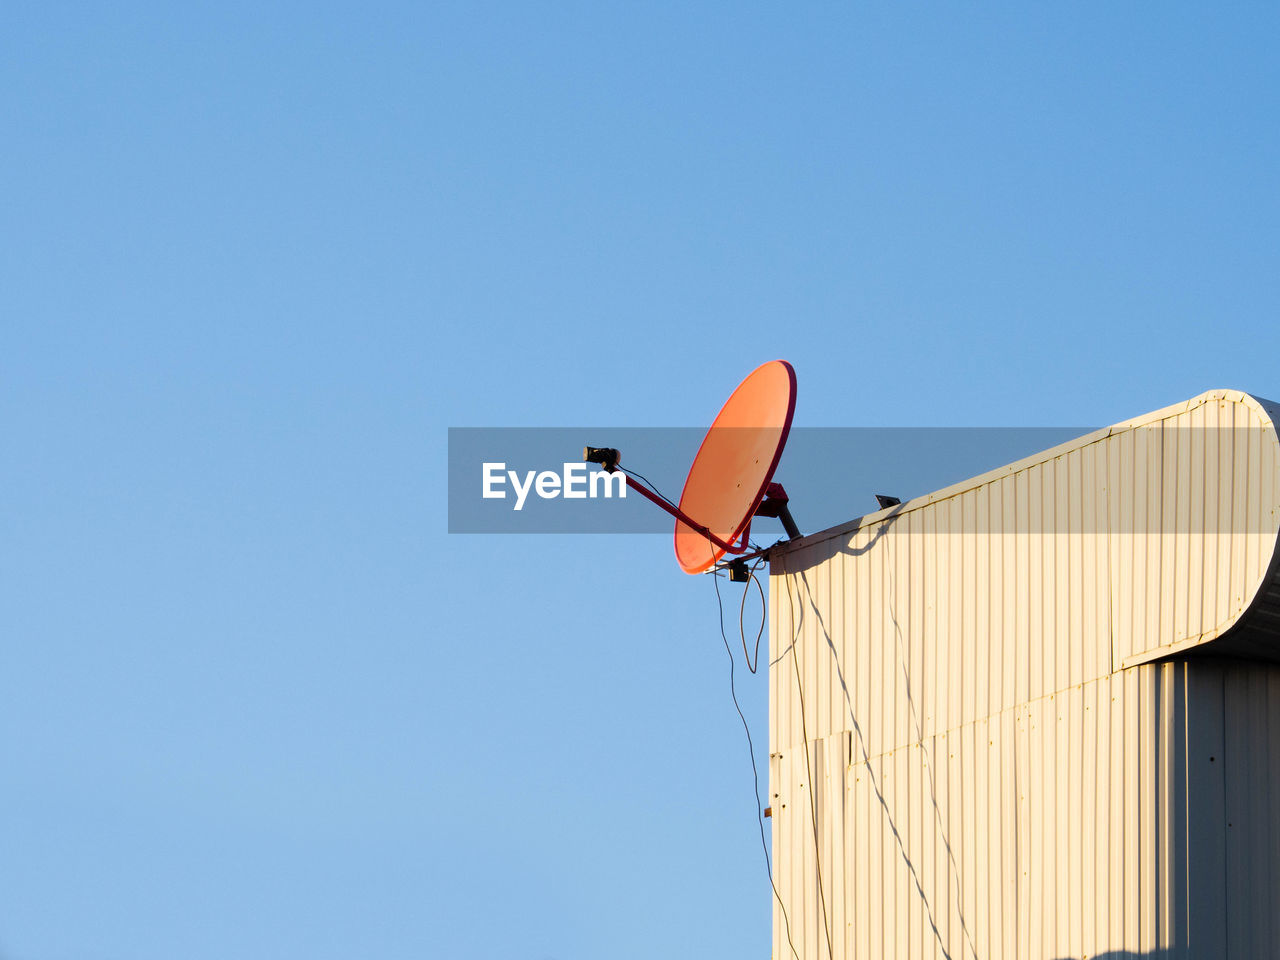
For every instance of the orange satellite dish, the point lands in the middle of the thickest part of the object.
(733, 468)
(730, 481)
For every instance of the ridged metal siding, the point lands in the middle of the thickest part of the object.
(988, 780)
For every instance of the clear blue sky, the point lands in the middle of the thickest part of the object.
(255, 702)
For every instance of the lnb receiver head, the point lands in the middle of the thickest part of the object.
(607, 457)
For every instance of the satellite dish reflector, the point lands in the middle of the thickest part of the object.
(734, 466)
(731, 478)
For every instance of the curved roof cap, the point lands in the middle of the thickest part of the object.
(1154, 537)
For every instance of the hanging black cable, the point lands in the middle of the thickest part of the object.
(752, 661)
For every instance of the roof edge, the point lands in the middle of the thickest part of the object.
(1268, 410)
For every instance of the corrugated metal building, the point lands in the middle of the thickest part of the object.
(1037, 714)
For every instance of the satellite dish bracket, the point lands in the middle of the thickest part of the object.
(774, 504)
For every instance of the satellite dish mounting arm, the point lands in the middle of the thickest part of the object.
(608, 458)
